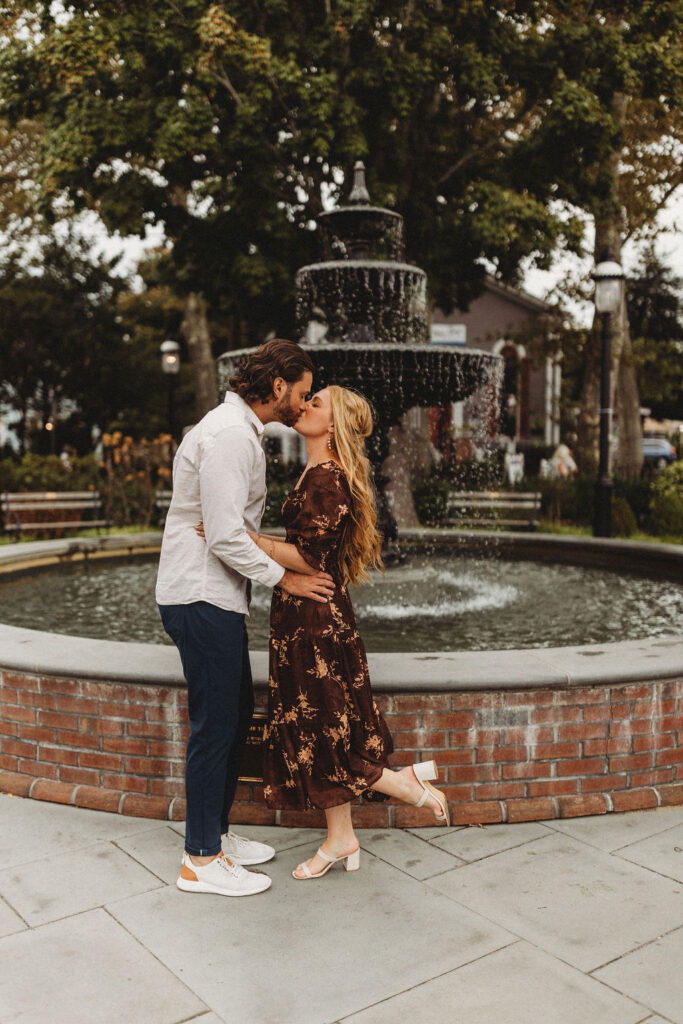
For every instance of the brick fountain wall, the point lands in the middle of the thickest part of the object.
(511, 755)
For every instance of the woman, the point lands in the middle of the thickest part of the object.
(326, 743)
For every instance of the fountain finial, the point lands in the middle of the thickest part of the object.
(359, 193)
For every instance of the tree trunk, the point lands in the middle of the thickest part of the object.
(195, 329)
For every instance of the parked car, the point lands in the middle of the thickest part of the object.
(658, 453)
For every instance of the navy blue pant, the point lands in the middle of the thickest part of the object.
(213, 649)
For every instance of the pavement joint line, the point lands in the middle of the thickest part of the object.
(165, 966)
(371, 853)
(136, 861)
(204, 1013)
(636, 949)
(643, 839)
(14, 911)
(70, 852)
(427, 981)
(669, 878)
(496, 853)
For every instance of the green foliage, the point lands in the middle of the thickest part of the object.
(623, 520)
(667, 502)
(431, 501)
(48, 473)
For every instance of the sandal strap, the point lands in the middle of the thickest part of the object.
(326, 856)
(423, 799)
(306, 870)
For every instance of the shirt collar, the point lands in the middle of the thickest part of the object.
(232, 398)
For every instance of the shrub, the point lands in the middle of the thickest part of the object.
(623, 520)
(431, 501)
(666, 508)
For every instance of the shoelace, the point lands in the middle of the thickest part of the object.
(236, 870)
(239, 840)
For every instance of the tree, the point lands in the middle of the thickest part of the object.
(655, 311)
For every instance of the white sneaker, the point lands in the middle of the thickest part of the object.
(246, 851)
(222, 877)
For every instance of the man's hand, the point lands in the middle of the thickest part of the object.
(319, 587)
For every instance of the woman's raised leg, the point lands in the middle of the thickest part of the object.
(404, 786)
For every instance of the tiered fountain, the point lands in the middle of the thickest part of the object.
(364, 319)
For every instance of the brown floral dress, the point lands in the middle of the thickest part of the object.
(325, 742)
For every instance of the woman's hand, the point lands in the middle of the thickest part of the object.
(199, 529)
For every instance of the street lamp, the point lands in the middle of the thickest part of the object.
(170, 365)
(608, 277)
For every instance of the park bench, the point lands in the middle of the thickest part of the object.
(506, 509)
(162, 501)
(47, 511)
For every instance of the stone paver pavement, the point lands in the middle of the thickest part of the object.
(567, 922)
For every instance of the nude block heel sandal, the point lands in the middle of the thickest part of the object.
(351, 862)
(424, 772)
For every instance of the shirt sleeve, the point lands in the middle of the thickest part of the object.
(320, 521)
(225, 471)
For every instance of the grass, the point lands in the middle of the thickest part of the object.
(586, 531)
(75, 534)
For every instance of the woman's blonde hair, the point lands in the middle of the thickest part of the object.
(361, 546)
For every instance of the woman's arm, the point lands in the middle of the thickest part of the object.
(287, 555)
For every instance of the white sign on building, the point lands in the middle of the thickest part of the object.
(449, 334)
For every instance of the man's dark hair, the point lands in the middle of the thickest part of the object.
(277, 358)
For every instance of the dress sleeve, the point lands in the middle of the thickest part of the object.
(319, 523)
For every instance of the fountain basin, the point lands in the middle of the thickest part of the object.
(520, 735)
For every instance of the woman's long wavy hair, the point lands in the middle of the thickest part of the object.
(361, 545)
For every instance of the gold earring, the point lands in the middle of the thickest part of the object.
(329, 441)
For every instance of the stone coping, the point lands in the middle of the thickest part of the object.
(36, 652)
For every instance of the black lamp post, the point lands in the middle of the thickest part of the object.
(170, 365)
(608, 277)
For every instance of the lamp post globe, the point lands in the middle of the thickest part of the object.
(608, 276)
(170, 366)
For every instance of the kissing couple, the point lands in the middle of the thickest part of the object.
(326, 743)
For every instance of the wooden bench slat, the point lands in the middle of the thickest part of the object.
(81, 524)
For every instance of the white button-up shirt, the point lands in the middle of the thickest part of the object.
(219, 475)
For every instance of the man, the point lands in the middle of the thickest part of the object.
(203, 593)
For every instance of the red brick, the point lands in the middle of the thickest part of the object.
(476, 738)
(150, 730)
(619, 746)
(497, 755)
(592, 748)
(407, 740)
(653, 742)
(97, 799)
(105, 691)
(46, 701)
(20, 681)
(79, 776)
(553, 787)
(147, 766)
(256, 814)
(474, 773)
(634, 800)
(119, 709)
(302, 819)
(8, 763)
(55, 792)
(397, 722)
(413, 817)
(178, 810)
(582, 766)
(671, 795)
(538, 809)
(632, 692)
(66, 686)
(12, 728)
(577, 806)
(167, 787)
(128, 783)
(422, 702)
(653, 708)
(653, 777)
(529, 698)
(620, 712)
(587, 731)
(383, 701)
(670, 724)
(454, 757)
(599, 695)
(631, 727)
(499, 791)
(560, 715)
(552, 751)
(451, 720)
(529, 736)
(632, 762)
(58, 755)
(79, 705)
(156, 713)
(138, 806)
(365, 815)
(401, 758)
(603, 783)
(151, 694)
(17, 785)
(103, 762)
(18, 748)
(456, 794)
(8, 695)
(477, 813)
(165, 748)
(58, 720)
(526, 770)
(39, 769)
(106, 727)
(37, 732)
(674, 756)
(598, 713)
(13, 714)
(122, 745)
(79, 740)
